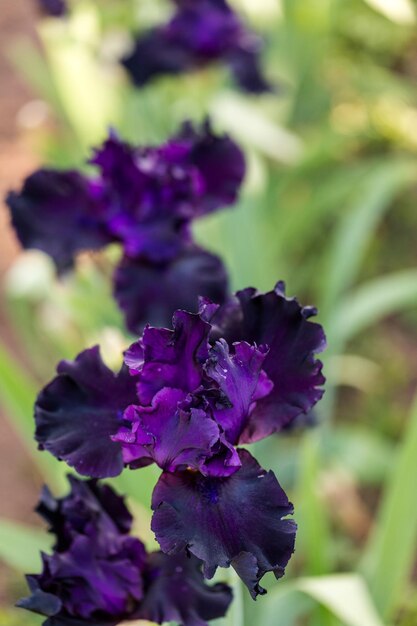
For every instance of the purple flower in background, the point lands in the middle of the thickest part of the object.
(225, 376)
(199, 33)
(147, 290)
(99, 575)
(60, 213)
(153, 193)
(54, 8)
(145, 199)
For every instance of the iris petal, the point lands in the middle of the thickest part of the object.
(241, 378)
(197, 35)
(173, 358)
(153, 291)
(293, 340)
(164, 433)
(59, 213)
(78, 412)
(176, 592)
(254, 539)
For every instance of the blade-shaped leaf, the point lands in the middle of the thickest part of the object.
(20, 545)
(284, 604)
(313, 538)
(345, 595)
(399, 11)
(389, 561)
(18, 391)
(358, 226)
(373, 301)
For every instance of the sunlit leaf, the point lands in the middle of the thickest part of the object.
(345, 595)
(399, 11)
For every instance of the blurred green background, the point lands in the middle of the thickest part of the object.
(329, 205)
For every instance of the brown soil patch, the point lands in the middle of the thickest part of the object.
(19, 483)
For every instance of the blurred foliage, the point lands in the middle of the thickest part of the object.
(329, 206)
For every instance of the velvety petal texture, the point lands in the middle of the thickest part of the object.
(98, 575)
(88, 508)
(254, 540)
(92, 582)
(81, 408)
(284, 326)
(198, 34)
(173, 358)
(148, 291)
(241, 379)
(60, 214)
(176, 592)
(165, 433)
(95, 574)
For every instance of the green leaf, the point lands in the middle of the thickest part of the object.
(361, 451)
(20, 545)
(345, 595)
(17, 617)
(357, 227)
(30, 63)
(74, 66)
(236, 613)
(313, 539)
(246, 123)
(284, 605)
(398, 11)
(389, 560)
(373, 301)
(138, 485)
(18, 391)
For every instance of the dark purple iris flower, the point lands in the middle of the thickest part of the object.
(144, 199)
(146, 290)
(225, 376)
(60, 213)
(99, 575)
(199, 33)
(54, 8)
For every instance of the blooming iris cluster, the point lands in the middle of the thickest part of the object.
(145, 199)
(185, 399)
(99, 575)
(199, 33)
